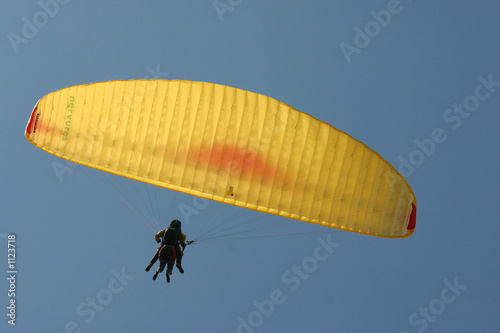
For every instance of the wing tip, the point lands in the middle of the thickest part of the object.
(413, 218)
(31, 126)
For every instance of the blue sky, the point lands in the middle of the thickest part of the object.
(417, 81)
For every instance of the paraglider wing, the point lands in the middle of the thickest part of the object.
(229, 145)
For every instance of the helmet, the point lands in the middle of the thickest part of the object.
(175, 224)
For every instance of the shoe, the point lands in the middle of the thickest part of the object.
(180, 269)
(155, 276)
(149, 267)
(168, 277)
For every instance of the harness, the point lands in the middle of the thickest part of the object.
(168, 245)
(162, 254)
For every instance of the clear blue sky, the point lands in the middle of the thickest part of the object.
(418, 81)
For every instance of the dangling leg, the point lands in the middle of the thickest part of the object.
(153, 260)
(170, 265)
(163, 262)
(170, 261)
(160, 269)
(179, 259)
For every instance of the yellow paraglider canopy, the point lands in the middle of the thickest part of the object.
(229, 145)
